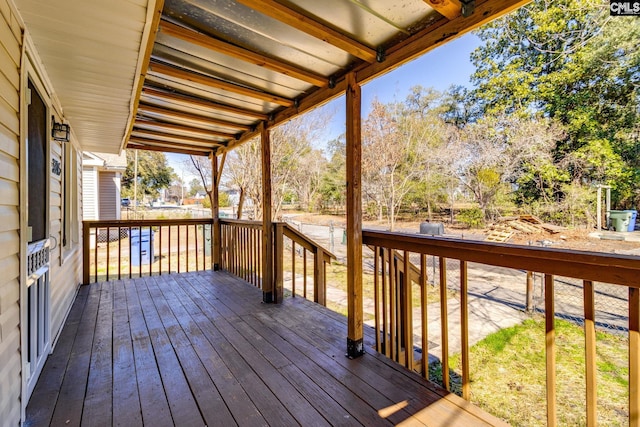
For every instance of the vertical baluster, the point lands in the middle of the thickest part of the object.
(119, 252)
(195, 237)
(444, 323)
(376, 297)
(590, 352)
(385, 305)
(423, 313)
(160, 250)
(464, 329)
(550, 346)
(293, 269)
(256, 257)
(186, 249)
(408, 314)
(304, 271)
(169, 249)
(130, 272)
(634, 357)
(95, 257)
(245, 252)
(140, 251)
(108, 251)
(150, 253)
(393, 306)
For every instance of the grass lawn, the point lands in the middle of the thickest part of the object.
(508, 375)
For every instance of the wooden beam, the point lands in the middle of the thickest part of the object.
(199, 102)
(314, 28)
(204, 151)
(186, 140)
(221, 167)
(177, 73)
(171, 128)
(354, 219)
(437, 35)
(243, 54)
(268, 291)
(155, 23)
(419, 44)
(180, 115)
(139, 146)
(450, 9)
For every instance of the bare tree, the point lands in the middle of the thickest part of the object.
(495, 149)
(294, 163)
(201, 166)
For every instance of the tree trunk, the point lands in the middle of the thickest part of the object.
(240, 203)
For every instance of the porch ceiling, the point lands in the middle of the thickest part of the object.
(92, 53)
(213, 70)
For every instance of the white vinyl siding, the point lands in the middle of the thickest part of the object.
(108, 195)
(10, 358)
(90, 194)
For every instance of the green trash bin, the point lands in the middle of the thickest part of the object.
(619, 220)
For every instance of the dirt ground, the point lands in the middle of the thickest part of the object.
(566, 239)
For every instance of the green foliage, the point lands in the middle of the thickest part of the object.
(508, 374)
(153, 173)
(570, 61)
(472, 218)
(224, 200)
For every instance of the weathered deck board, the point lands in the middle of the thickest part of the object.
(201, 349)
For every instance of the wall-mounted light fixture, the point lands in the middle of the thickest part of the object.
(59, 131)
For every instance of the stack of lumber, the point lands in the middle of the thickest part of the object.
(507, 227)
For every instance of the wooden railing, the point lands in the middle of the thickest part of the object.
(395, 254)
(242, 255)
(309, 250)
(133, 248)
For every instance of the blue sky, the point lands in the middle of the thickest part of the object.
(445, 66)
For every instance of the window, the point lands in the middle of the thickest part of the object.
(70, 206)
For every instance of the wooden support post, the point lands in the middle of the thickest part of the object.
(319, 287)
(354, 219)
(550, 345)
(591, 367)
(215, 213)
(86, 240)
(278, 265)
(634, 357)
(268, 294)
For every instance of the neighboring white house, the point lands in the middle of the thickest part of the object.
(101, 177)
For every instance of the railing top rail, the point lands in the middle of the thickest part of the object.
(241, 222)
(146, 222)
(303, 240)
(595, 266)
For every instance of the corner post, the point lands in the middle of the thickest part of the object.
(268, 294)
(86, 239)
(319, 280)
(355, 346)
(278, 264)
(215, 212)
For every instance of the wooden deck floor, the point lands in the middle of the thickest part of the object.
(201, 349)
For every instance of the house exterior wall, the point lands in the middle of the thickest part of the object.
(66, 267)
(65, 263)
(90, 193)
(10, 353)
(109, 195)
